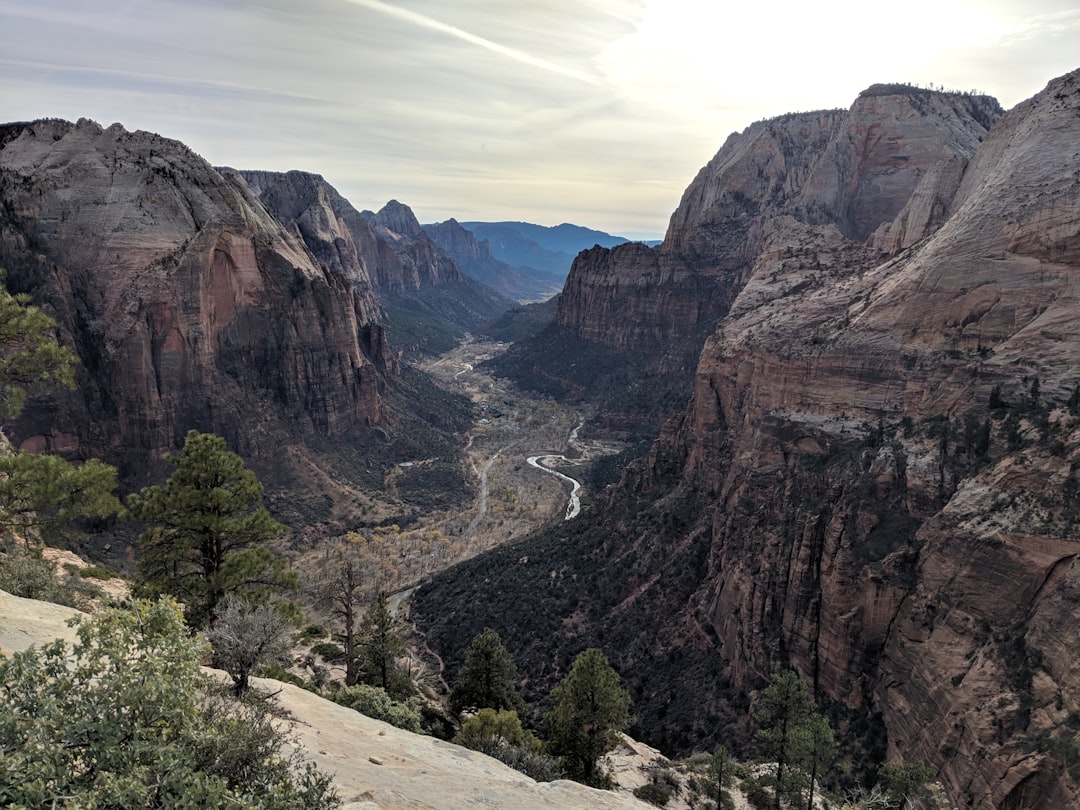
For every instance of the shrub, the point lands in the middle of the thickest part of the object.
(27, 574)
(375, 702)
(96, 572)
(653, 794)
(125, 717)
(329, 652)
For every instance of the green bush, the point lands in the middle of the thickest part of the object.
(96, 572)
(756, 794)
(375, 702)
(125, 717)
(330, 652)
(653, 794)
(313, 631)
(27, 574)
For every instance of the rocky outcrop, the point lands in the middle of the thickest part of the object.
(336, 233)
(387, 256)
(851, 172)
(374, 765)
(189, 305)
(875, 481)
(421, 262)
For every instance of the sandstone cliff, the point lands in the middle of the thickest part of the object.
(422, 263)
(854, 170)
(426, 301)
(189, 305)
(822, 185)
(875, 481)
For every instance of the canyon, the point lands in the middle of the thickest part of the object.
(248, 304)
(854, 357)
(874, 478)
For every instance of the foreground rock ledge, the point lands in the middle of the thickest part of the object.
(374, 765)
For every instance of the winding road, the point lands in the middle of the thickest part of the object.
(484, 487)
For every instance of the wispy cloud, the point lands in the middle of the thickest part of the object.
(93, 76)
(432, 24)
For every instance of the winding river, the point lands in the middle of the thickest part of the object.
(573, 508)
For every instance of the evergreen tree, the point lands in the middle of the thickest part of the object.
(208, 531)
(905, 784)
(591, 708)
(40, 494)
(29, 354)
(721, 773)
(818, 750)
(380, 648)
(781, 716)
(488, 677)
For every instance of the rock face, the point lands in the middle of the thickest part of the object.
(188, 303)
(336, 233)
(875, 481)
(835, 187)
(387, 256)
(854, 170)
(422, 263)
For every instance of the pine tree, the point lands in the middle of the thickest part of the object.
(488, 677)
(818, 750)
(721, 773)
(381, 646)
(208, 531)
(781, 716)
(591, 708)
(41, 494)
(29, 355)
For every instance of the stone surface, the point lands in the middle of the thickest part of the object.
(374, 765)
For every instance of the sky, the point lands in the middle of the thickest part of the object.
(595, 112)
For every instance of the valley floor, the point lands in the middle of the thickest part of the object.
(518, 441)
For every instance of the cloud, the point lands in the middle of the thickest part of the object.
(432, 24)
(591, 111)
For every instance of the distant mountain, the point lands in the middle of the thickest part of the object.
(547, 250)
(565, 238)
(477, 261)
